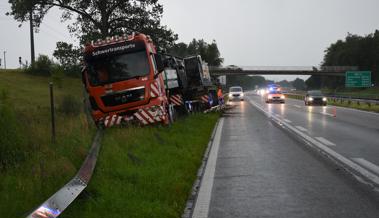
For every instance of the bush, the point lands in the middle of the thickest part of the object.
(43, 66)
(73, 71)
(57, 76)
(70, 105)
(12, 141)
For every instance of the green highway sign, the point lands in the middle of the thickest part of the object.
(358, 79)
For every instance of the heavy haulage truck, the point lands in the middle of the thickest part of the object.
(123, 79)
(201, 93)
(127, 81)
(188, 84)
(175, 80)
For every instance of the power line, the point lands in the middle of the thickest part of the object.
(53, 29)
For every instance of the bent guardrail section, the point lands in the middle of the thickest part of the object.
(58, 202)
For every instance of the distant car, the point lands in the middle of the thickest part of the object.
(233, 67)
(273, 96)
(315, 97)
(236, 93)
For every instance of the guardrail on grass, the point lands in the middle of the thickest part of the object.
(340, 99)
(59, 201)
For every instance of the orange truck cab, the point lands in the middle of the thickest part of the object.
(123, 79)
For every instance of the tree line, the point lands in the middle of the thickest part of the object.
(354, 50)
(97, 19)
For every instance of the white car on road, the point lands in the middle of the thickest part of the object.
(236, 93)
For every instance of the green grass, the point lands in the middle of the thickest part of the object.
(146, 172)
(141, 172)
(372, 92)
(39, 167)
(361, 106)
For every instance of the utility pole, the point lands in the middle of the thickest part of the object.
(5, 61)
(31, 37)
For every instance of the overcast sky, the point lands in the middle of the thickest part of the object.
(248, 32)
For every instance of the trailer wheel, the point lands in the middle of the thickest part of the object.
(172, 113)
(166, 120)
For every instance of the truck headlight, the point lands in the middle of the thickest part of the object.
(269, 96)
(324, 99)
(310, 99)
(282, 97)
(230, 95)
(241, 94)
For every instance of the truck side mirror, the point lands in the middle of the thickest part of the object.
(159, 62)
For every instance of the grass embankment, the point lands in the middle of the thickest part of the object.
(141, 172)
(355, 105)
(31, 167)
(345, 103)
(372, 92)
(146, 172)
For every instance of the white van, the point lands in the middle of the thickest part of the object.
(236, 93)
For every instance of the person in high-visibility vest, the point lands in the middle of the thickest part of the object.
(220, 96)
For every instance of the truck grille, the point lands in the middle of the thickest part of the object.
(124, 97)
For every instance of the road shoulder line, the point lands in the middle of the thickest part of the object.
(301, 128)
(325, 141)
(203, 200)
(372, 167)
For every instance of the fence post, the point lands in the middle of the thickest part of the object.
(52, 112)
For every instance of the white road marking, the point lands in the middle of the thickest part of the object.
(204, 197)
(325, 141)
(301, 128)
(372, 167)
(288, 121)
(298, 106)
(328, 114)
(361, 171)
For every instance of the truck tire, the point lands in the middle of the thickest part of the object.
(172, 113)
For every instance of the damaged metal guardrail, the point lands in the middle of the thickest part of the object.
(58, 202)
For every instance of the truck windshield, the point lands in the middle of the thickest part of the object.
(119, 67)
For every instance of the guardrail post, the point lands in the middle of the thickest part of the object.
(52, 112)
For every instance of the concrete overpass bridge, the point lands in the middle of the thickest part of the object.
(281, 70)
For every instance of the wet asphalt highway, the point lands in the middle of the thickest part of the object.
(352, 133)
(263, 172)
